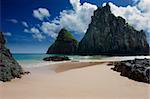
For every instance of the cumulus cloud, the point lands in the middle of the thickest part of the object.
(75, 20)
(25, 24)
(41, 13)
(35, 33)
(51, 29)
(35, 30)
(26, 31)
(8, 34)
(38, 36)
(78, 19)
(138, 16)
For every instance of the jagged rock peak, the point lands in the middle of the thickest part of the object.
(111, 35)
(105, 9)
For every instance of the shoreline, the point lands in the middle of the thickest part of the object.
(41, 63)
(74, 80)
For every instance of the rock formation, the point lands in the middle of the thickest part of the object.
(9, 68)
(65, 43)
(111, 35)
(138, 69)
(56, 58)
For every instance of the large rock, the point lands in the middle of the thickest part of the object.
(138, 69)
(111, 35)
(9, 68)
(64, 44)
(56, 58)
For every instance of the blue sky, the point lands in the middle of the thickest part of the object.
(17, 15)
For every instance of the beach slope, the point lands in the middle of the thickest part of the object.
(96, 81)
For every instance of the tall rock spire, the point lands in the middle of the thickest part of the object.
(111, 35)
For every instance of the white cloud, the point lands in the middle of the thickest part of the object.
(76, 20)
(8, 34)
(35, 33)
(51, 29)
(144, 6)
(138, 16)
(41, 13)
(13, 20)
(26, 31)
(38, 36)
(75, 4)
(25, 24)
(35, 30)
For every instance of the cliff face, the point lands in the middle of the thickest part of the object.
(111, 35)
(9, 68)
(64, 44)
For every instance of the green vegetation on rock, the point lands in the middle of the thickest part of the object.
(65, 43)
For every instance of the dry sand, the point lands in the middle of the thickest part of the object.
(74, 80)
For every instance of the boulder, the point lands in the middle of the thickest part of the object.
(56, 58)
(138, 69)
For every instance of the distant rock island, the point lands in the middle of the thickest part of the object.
(111, 35)
(65, 43)
(9, 68)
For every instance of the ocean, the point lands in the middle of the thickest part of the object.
(36, 60)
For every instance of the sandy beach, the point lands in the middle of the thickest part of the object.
(74, 49)
(74, 80)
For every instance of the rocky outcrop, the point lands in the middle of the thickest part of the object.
(138, 69)
(9, 68)
(56, 58)
(111, 35)
(65, 43)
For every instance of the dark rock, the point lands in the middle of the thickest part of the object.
(110, 63)
(64, 44)
(138, 69)
(26, 72)
(111, 35)
(56, 58)
(9, 68)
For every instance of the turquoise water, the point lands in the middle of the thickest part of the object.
(27, 57)
(36, 60)
(36, 57)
